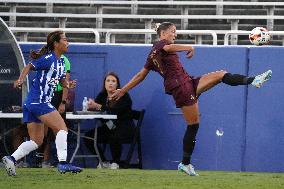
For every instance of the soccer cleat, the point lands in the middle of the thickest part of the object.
(46, 164)
(9, 165)
(103, 165)
(114, 166)
(188, 169)
(67, 167)
(260, 79)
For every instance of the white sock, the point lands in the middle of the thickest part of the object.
(24, 149)
(61, 145)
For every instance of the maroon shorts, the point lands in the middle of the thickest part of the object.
(185, 94)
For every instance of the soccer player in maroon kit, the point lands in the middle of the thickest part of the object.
(184, 88)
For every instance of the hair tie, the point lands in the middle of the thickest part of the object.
(156, 26)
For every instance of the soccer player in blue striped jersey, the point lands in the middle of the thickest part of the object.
(37, 109)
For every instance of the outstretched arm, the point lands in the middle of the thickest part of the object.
(178, 47)
(18, 83)
(138, 78)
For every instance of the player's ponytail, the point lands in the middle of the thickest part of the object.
(51, 38)
(36, 54)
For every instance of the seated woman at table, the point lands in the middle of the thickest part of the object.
(111, 132)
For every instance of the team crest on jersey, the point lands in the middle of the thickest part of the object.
(192, 97)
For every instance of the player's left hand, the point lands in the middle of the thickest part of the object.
(18, 84)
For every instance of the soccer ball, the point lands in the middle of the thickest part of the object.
(259, 36)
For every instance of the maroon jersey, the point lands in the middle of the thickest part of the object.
(167, 65)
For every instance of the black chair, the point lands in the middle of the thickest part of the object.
(137, 116)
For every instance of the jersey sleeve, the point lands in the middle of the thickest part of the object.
(43, 63)
(160, 45)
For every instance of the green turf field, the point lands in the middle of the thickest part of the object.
(38, 178)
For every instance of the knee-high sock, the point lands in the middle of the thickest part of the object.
(236, 79)
(189, 141)
(24, 149)
(61, 145)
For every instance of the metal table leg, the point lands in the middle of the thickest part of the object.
(78, 145)
(78, 142)
(96, 145)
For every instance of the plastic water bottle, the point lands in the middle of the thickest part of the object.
(85, 104)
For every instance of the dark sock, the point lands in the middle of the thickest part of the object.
(14, 160)
(189, 141)
(236, 79)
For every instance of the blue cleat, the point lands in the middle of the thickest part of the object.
(68, 167)
(260, 79)
(188, 169)
(9, 163)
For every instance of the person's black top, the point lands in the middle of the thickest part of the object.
(121, 108)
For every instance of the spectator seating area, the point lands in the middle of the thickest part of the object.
(219, 16)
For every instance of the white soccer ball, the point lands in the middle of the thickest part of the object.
(259, 36)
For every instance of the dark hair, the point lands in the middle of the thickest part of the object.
(110, 74)
(51, 38)
(164, 26)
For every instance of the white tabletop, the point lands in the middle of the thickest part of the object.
(94, 116)
(68, 116)
(11, 115)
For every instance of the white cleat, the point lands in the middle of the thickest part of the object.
(9, 165)
(260, 79)
(103, 165)
(114, 166)
(188, 169)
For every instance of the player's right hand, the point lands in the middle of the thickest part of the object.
(118, 93)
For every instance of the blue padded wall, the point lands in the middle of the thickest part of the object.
(221, 108)
(265, 125)
(235, 112)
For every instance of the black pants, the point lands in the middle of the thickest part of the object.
(115, 138)
(56, 101)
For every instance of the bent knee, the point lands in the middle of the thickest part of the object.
(221, 73)
(190, 120)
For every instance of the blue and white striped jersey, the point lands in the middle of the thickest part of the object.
(50, 71)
